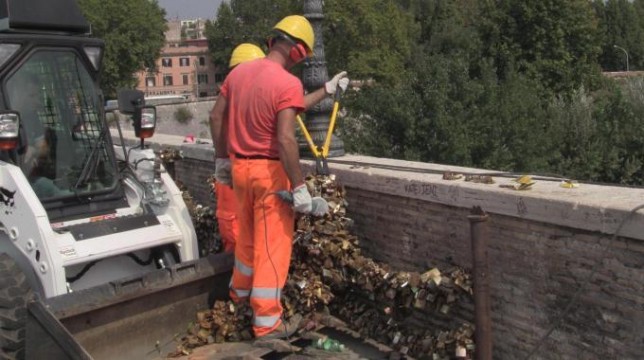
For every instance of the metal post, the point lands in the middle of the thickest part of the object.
(314, 76)
(483, 323)
(625, 52)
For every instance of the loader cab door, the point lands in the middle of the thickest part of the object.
(64, 142)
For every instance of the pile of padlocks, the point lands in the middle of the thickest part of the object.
(329, 274)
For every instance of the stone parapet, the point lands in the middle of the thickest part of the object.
(544, 244)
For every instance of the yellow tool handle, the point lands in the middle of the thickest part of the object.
(309, 140)
(329, 133)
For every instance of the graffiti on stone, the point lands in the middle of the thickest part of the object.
(422, 189)
(454, 193)
(522, 208)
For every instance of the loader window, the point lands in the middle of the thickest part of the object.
(66, 150)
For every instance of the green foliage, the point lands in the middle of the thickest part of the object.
(621, 137)
(368, 38)
(506, 91)
(509, 85)
(183, 114)
(387, 134)
(240, 21)
(620, 24)
(133, 31)
(443, 116)
(554, 42)
(601, 136)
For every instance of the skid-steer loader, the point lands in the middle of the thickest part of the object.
(98, 254)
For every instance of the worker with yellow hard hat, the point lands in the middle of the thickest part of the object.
(226, 203)
(253, 128)
(226, 207)
(245, 52)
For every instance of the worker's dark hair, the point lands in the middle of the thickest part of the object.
(298, 50)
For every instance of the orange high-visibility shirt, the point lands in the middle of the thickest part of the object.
(255, 92)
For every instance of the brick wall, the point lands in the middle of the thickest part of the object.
(194, 174)
(535, 270)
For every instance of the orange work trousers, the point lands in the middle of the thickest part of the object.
(263, 248)
(227, 215)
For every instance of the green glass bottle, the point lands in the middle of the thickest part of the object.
(329, 345)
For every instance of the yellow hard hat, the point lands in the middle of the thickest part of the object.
(245, 52)
(298, 28)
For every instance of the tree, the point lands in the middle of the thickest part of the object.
(510, 85)
(369, 38)
(461, 103)
(620, 24)
(240, 21)
(383, 128)
(133, 32)
(554, 42)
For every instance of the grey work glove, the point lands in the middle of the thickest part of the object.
(319, 206)
(340, 79)
(302, 199)
(223, 171)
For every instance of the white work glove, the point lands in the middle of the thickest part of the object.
(303, 203)
(302, 199)
(319, 206)
(340, 80)
(223, 171)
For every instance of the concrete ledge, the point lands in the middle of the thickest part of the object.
(202, 149)
(589, 207)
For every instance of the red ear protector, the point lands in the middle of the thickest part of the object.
(298, 50)
(298, 53)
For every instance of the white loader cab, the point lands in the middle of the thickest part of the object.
(75, 211)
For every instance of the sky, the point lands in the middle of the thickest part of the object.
(190, 9)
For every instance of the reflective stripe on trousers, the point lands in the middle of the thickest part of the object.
(245, 273)
(266, 294)
(264, 245)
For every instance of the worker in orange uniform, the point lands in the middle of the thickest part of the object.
(253, 125)
(226, 202)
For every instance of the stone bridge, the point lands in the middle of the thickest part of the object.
(545, 243)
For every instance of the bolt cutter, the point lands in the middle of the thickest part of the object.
(322, 153)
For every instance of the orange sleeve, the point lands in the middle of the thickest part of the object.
(292, 97)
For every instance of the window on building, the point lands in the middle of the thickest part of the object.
(202, 78)
(166, 62)
(220, 77)
(184, 61)
(202, 61)
(186, 79)
(150, 81)
(167, 80)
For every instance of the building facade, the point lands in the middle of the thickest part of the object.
(185, 67)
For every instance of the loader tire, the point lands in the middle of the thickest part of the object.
(14, 293)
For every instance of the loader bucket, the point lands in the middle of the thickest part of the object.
(136, 318)
(47, 338)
